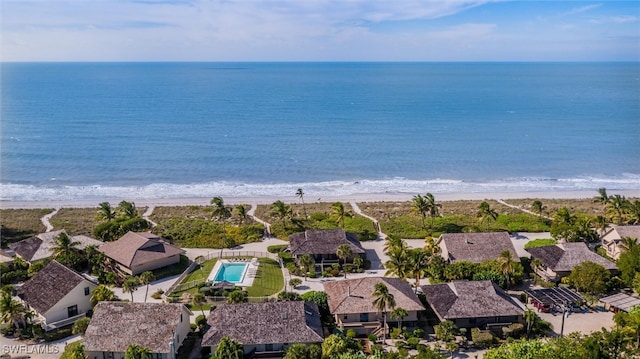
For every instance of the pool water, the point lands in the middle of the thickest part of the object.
(231, 272)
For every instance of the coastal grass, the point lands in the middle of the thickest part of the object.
(75, 220)
(205, 233)
(269, 279)
(319, 217)
(163, 213)
(79, 220)
(18, 224)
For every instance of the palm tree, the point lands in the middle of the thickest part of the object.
(135, 351)
(634, 212)
(300, 195)
(105, 212)
(397, 264)
(418, 265)
(101, 293)
(12, 311)
(236, 297)
(433, 208)
(306, 263)
(130, 285)
(222, 213)
(529, 318)
(602, 198)
(628, 243)
(65, 249)
(399, 313)
(394, 242)
(229, 349)
(383, 300)
(281, 211)
(506, 266)
(344, 252)
(617, 206)
(339, 213)
(538, 207)
(127, 210)
(601, 224)
(145, 279)
(241, 213)
(485, 212)
(358, 262)
(419, 206)
(197, 300)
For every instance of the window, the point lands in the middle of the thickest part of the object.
(364, 317)
(86, 290)
(345, 317)
(158, 355)
(180, 318)
(72, 311)
(268, 347)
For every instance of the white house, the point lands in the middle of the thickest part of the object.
(58, 295)
(612, 239)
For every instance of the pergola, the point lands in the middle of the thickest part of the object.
(547, 298)
(621, 301)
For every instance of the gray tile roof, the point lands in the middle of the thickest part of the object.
(355, 295)
(116, 325)
(135, 248)
(49, 286)
(627, 231)
(477, 247)
(265, 323)
(563, 257)
(470, 299)
(323, 241)
(40, 246)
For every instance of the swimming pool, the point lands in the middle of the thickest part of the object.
(231, 272)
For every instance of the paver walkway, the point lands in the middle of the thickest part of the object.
(147, 214)
(250, 213)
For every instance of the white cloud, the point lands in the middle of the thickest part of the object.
(582, 9)
(615, 20)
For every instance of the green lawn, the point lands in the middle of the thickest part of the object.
(202, 272)
(269, 279)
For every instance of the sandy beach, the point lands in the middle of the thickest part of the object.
(369, 197)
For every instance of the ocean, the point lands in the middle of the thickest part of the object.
(83, 131)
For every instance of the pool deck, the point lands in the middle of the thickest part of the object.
(248, 275)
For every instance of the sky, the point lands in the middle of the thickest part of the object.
(319, 30)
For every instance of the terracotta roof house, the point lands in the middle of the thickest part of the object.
(39, 247)
(138, 252)
(264, 329)
(322, 244)
(558, 260)
(472, 304)
(161, 327)
(58, 295)
(475, 247)
(351, 303)
(612, 239)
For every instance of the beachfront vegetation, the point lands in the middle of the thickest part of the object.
(203, 233)
(287, 219)
(18, 224)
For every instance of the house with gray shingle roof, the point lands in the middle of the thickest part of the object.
(475, 247)
(161, 327)
(138, 252)
(612, 239)
(351, 302)
(264, 328)
(322, 244)
(471, 304)
(58, 295)
(558, 260)
(40, 246)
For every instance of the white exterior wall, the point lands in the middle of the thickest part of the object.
(75, 297)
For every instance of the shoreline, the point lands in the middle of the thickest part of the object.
(360, 198)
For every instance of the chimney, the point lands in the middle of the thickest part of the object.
(349, 291)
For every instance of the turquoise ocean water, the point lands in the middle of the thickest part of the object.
(172, 130)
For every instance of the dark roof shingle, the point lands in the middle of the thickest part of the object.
(470, 299)
(265, 323)
(477, 247)
(563, 257)
(323, 241)
(49, 286)
(355, 295)
(116, 325)
(135, 248)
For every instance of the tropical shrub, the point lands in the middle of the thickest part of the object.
(482, 339)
